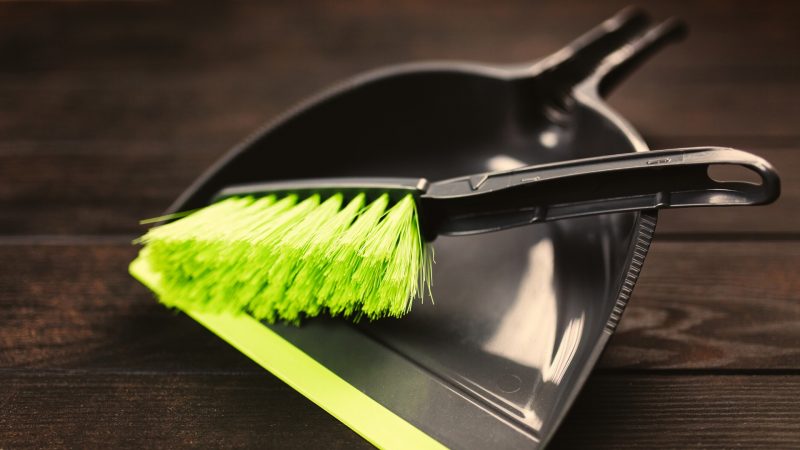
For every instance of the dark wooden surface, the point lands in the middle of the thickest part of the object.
(109, 109)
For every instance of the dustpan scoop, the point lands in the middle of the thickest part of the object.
(521, 316)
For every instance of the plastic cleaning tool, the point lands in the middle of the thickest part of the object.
(520, 316)
(355, 246)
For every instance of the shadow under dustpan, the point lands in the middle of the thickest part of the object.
(520, 316)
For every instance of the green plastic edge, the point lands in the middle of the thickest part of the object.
(373, 421)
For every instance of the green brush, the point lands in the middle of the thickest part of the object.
(287, 258)
(358, 247)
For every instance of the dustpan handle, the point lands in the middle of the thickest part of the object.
(619, 64)
(599, 59)
(580, 58)
(674, 178)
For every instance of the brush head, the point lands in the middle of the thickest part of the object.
(287, 257)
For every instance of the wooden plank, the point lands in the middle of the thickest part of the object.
(141, 105)
(719, 107)
(651, 411)
(113, 35)
(715, 305)
(93, 71)
(88, 409)
(75, 306)
(712, 305)
(106, 187)
(126, 409)
(96, 187)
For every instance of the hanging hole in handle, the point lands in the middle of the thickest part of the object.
(734, 173)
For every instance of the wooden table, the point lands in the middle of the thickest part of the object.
(109, 109)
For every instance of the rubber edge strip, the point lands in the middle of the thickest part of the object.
(373, 421)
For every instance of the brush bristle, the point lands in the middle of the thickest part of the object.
(290, 258)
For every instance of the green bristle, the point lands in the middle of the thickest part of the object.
(289, 258)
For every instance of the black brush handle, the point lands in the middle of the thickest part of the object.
(675, 178)
(492, 201)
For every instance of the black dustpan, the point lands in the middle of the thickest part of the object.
(521, 316)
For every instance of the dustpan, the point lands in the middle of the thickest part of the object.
(520, 316)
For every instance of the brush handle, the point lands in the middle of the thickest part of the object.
(492, 201)
(675, 178)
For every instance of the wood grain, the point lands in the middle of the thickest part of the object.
(83, 310)
(707, 305)
(680, 411)
(96, 36)
(114, 410)
(98, 187)
(74, 306)
(92, 71)
(101, 409)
